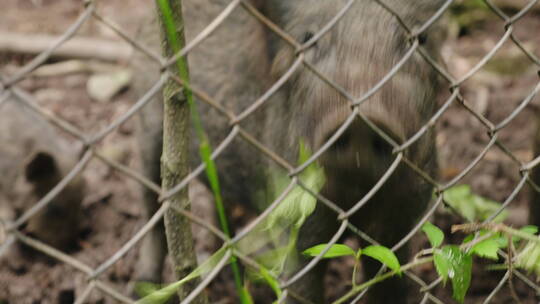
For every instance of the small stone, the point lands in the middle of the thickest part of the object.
(104, 86)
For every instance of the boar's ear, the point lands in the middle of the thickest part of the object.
(41, 167)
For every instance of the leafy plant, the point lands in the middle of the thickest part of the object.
(282, 224)
(454, 264)
(471, 206)
(377, 252)
(488, 239)
(434, 234)
(162, 295)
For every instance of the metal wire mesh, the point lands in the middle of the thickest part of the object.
(9, 88)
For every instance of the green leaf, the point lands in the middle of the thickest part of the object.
(164, 294)
(471, 206)
(529, 258)
(245, 296)
(294, 209)
(276, 236)
(530, 229)
(304, 153)
(142, 289)
(271, 281)
(442, 265)
(453, 263)
(459, 198)
(434, 234)
(501, 240)
(336, 250)
(274, 259)
(383, 255)
(298, 204)
(487, 249)
(497, 237)
(468, 238)
(284, 222)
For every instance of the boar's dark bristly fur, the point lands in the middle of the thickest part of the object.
(356, 54)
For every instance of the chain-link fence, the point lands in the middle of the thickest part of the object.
(416, 47)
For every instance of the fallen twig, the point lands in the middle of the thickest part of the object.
(78, 47)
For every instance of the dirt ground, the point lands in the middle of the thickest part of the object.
(112, 208)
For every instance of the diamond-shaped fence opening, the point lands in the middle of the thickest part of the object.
(69, 125)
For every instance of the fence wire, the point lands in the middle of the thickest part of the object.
(10, 89)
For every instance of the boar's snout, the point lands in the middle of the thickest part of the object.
(358, 158)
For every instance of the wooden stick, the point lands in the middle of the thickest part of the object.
(78, 47)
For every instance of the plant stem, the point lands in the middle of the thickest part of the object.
(377, 279)
(204, 149)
